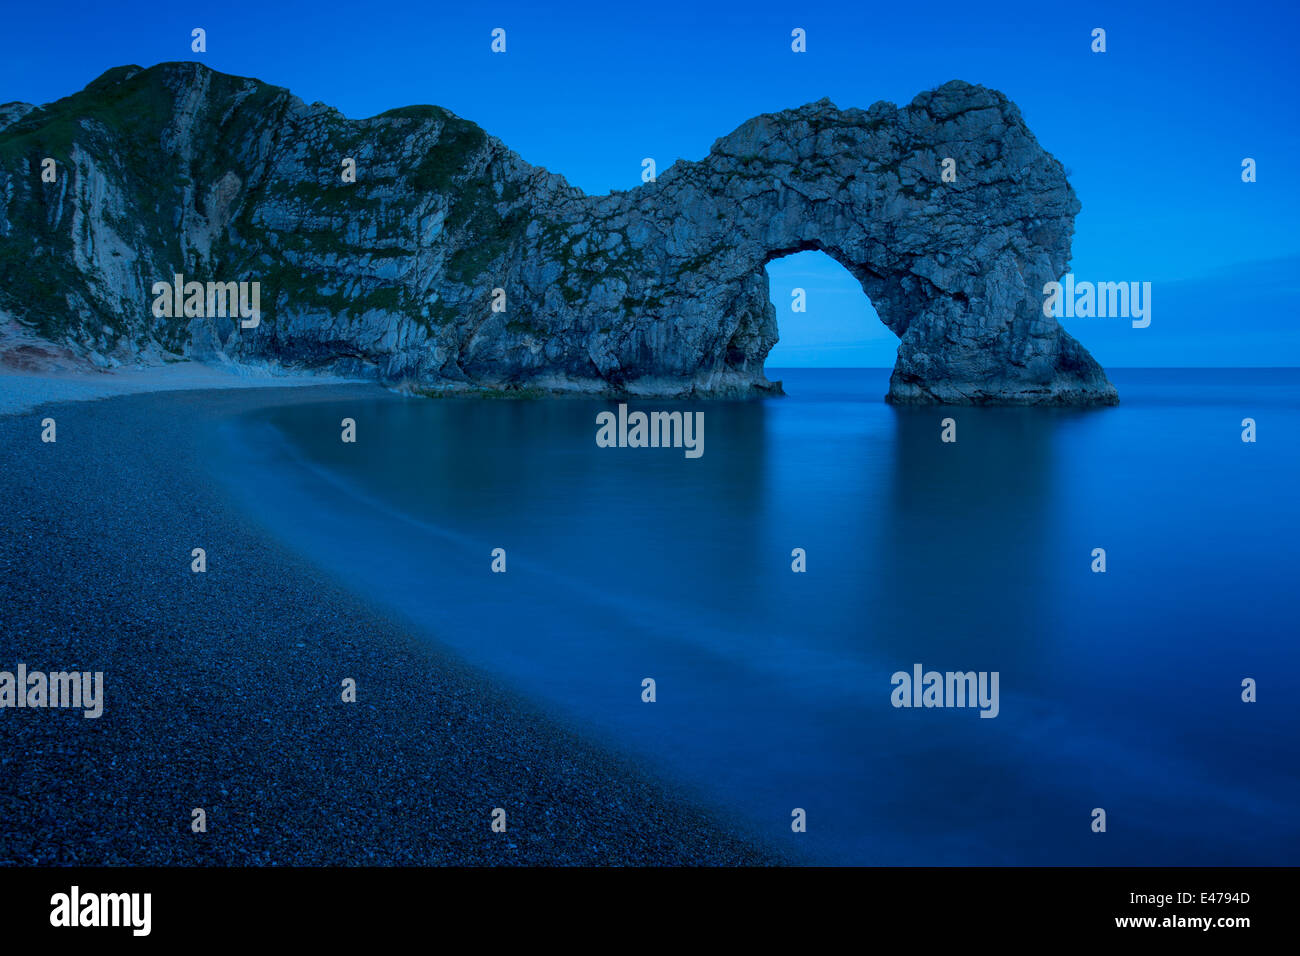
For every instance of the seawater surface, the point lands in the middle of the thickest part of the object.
(1118, 690)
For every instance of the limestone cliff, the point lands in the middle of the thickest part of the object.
(657, 290)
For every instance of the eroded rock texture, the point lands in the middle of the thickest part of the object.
(657, 290)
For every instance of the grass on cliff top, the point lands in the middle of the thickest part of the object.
(120, 119)
(458, 140)
(138, 106)
(418, 111)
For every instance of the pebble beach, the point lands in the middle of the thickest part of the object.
(222, 689)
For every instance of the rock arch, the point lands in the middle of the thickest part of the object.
(955, 270)
(657, 290)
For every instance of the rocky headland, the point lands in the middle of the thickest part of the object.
(450, 262)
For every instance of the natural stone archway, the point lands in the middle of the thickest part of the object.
(955, 270)
(658, 290)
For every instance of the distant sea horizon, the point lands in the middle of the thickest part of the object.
(1132, 368)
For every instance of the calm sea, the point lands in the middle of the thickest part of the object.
(1118, 690)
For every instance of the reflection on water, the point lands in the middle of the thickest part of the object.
(1118, 690)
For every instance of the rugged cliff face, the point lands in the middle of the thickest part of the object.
(657, 290)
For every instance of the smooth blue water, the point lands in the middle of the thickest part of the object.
(1118, 690)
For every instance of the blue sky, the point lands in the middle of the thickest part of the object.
(1153, 131)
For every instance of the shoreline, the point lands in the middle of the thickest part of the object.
(23, 390)
(222, 688)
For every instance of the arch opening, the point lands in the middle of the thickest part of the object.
(838, 327)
